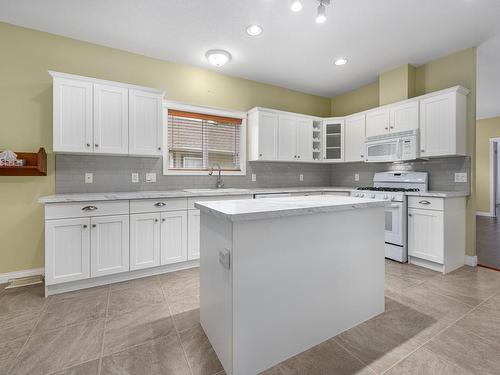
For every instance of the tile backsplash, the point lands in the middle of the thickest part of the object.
(113, 173)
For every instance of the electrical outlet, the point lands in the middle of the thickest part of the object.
(356, 176)
(460, 177)
(135, 178)
(150, 177)
(301, 177)
(89, 178)
(254, 177)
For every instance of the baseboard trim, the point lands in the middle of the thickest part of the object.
(471, 260)
(5, 277)
(484, 213)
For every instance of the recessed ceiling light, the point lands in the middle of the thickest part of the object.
(254, 30)
(218, 57)
(341, 61)
(296, 6)
(321, 17)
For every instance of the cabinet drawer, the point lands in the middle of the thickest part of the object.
(191, 201)
(430, 203)
(85, 209)
(157, 205)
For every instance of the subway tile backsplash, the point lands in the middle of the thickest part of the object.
(113, 173)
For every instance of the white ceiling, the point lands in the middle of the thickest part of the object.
(488, 79)
(293, 51)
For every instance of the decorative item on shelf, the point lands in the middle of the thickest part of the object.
(23, 163)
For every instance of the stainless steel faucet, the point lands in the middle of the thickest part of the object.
(220, 184)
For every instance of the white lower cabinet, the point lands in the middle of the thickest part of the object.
(144, 240)
(109, 245)
(173, 243)
(425, 234)
(193, 234)
(67, 250)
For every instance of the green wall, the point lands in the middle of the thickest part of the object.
(26, 115)
(358, 100)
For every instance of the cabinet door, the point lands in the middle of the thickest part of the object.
(110, 119)
(426, 234)
(268, 132)
(72, 115)
(67, 250)
(287, 141)
(144, 240)
(355, 138)
(173, 237)
(333, 140)
(193, 234)
(377, 122)
(145, 123)
(404, 117)
(110, 245)
(304, 139)
(438, 125)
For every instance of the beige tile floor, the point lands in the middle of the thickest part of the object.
(433, 324)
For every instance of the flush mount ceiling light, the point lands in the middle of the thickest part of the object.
(321, 17)
(296, 6)
(341, 61)
(254, 30)
(218, 57)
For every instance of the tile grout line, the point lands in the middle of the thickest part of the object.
(99, 365)
(352, 354)
(175, 326)
(441, 331)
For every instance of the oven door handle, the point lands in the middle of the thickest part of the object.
(394, 205)
(400, 149)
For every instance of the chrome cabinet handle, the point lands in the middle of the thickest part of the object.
(410, 215)
(298, 156)
(163, 220)
(260, 154)
(159, 148)
(88, 144)
(424, 202)
(94, 225)
(156, 220)
(160, 204)
(392, 127)
(84, 226)
(422, 150)
(89, 208)
(96, 145)
(386, 128)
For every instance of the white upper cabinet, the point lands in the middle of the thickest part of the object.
(110, 119)
(304, 139)
(287, 137)
(263, 135)
(145, 123)
(443, 124)
(377, 122)
(404, 116)
(333, 140)
(355, 138)
(72, 115)
(104, 117)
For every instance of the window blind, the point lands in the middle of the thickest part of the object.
(198, 141)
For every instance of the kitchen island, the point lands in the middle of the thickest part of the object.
(280, 275)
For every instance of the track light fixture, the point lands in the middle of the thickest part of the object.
(321, 16)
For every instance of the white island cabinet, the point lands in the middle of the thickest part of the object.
(280, 275)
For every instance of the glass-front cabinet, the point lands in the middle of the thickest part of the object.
(333, 140)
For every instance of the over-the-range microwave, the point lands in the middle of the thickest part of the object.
(392, 147)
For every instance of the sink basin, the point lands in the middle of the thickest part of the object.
(224, 190)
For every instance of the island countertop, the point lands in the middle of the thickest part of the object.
(240, 210)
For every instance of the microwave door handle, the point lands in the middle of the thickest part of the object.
(400, 149)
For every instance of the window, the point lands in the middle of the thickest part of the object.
(197, 141)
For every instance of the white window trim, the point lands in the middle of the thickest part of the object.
(207, 111)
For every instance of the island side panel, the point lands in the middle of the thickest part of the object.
(300, 280)
(216, 287)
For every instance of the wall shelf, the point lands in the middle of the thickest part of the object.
(36, 165)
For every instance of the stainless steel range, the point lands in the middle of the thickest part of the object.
(392, 186)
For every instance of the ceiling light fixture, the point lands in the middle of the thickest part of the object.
(296, 6)
(254, 30)
(321, 17)
(341, 61)
(218, 57)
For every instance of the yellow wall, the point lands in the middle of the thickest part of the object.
(26, 115)
(358, 100)
(397, 84)
(485, 129)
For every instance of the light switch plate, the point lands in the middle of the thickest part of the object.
(460, 177)
(135, 178)
(301, 177)
(89, 178)
(254, 177)
(356, 176)
(150, 177)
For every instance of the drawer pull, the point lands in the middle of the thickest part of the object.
(89, 208)
(160, 204)
(424, 202)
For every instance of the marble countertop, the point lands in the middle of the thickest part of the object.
(240, 210)
(439, 194)
(87, 197)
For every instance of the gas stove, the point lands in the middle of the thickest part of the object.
(389, 189)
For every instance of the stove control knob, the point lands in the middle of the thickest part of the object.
(386, 196)
(393, 198)
(362, 195)
(373, 196)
